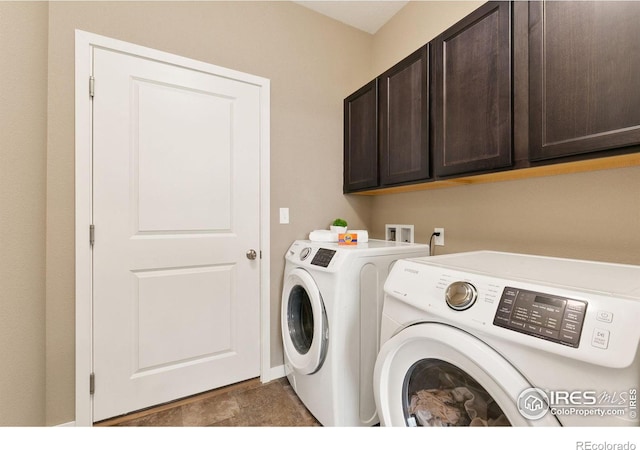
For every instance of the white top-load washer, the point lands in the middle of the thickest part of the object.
(331, 309)
(490, 338)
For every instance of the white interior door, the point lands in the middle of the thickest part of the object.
(176, 207)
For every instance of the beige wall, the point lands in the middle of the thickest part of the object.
(591, 215)
(313, 63)
(23, 124)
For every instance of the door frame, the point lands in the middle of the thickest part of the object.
(84, 44)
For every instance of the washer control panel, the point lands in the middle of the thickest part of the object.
(581, 310)
(549, 317)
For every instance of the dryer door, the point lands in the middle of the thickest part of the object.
(304, 322)
(432, 374)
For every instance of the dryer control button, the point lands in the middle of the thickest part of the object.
(600, 338)
(604, 316)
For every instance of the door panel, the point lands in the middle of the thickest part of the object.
(361, 139)
(471, 81)
(404, 120)
(584, 83)
(199, 301)
(200, 122)
(176, 206)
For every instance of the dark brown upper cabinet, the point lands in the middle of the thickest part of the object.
(584, 77)
(471, 93)
(361, 139)
(403, 94)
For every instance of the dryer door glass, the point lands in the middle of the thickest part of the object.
(304, 323)
(300, 319)
(437, 393)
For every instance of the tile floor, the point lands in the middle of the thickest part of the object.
(244, 404)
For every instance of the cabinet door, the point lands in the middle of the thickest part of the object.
(404, 124)
(471, 82)
(584, 77)
(361, 139)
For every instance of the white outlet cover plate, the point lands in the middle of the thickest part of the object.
(284, 215)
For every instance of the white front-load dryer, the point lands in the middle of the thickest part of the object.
(330, 316)
(489, 338)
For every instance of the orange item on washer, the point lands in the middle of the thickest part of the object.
(347, 239)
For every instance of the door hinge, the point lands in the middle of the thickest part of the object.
(92, 86)
(92, 383)
(92, 235)
(260, 254)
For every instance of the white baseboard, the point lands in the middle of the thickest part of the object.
(68, 424)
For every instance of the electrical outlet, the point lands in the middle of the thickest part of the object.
(438, 240)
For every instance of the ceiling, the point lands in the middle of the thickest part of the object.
(365, 15)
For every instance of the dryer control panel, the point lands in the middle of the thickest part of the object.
(323, 257)
(541, 315)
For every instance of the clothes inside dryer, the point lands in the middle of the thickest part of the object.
(438, 393)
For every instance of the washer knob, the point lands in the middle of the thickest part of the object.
(461, 295)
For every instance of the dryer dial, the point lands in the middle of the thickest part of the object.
(304, 254)
(461, 295)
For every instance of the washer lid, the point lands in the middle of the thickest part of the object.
(493, 378)
(304, 323)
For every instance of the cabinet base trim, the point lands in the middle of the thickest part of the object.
(611, 162)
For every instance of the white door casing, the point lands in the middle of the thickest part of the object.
(177, 196)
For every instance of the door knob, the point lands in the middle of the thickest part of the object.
(251, 254)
